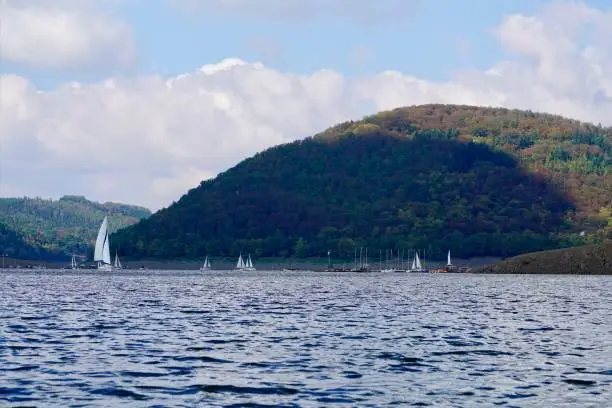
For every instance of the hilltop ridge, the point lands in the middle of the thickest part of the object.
(482, 181)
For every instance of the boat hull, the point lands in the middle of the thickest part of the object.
(105, 267)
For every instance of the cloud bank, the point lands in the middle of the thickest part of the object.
(64, 34)
(147, 139)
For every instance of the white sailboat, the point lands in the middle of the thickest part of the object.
(416, 264)
(73, 263)
(205, 265)
(249, 265)
(449, 267)
(102, 250)
(240, 265)
(117, 264)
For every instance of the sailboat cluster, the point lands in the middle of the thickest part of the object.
(243, 266)
(394, 264)
(103, 259)
(416, 266)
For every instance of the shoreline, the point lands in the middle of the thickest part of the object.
(224, 264)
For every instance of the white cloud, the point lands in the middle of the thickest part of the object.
(355, 10)
(148, 139)
(64, 34)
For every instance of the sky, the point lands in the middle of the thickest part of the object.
(137, 101)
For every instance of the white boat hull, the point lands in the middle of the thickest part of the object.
(105, 267)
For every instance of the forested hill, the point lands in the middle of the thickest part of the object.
(480, 181)
(12, 245)
(68, 225)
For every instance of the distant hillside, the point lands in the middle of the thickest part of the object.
(68, 225)
(585, 260)
(481, 181)
(12, 245)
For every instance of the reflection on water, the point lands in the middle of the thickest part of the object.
(304, 340)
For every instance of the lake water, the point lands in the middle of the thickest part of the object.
(186, 339)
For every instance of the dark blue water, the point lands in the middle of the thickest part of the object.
(304, 339)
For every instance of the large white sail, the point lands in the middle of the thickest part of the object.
(102, 250)
(100, 240)
(240, 264)
(418, 262)
(448, 262)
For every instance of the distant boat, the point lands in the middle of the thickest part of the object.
(249, 265)
(102, 250)
(73, 263)
(449, 267)
(205, 265)
(243, 266)
(240, 265)
(117, 264)
(416, 264)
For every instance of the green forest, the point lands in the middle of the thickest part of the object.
(36, 228)
(478, 181)
(12, 245)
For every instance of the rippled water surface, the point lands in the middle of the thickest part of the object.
(187, 339)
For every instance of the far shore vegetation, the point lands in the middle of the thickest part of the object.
(583, 260)
(481, 182)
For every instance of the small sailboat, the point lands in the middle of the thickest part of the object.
(449, 267)
(117, 264)
(73, 263)
(416, 264)
(206, 265)
(249, 265)
(240, 265)
(102, 250)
